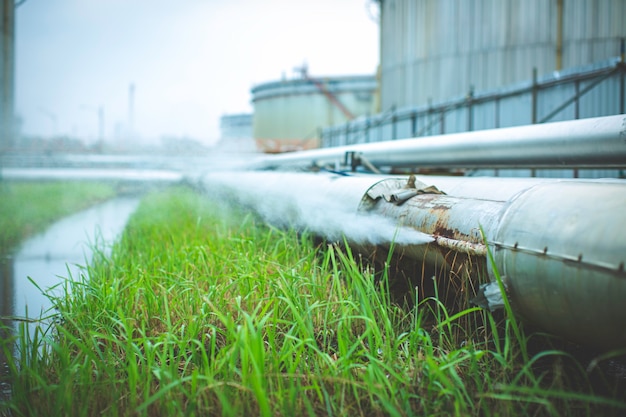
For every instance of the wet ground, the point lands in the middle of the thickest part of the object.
(60, 252)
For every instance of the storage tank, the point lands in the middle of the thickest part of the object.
(435, 50)
(236, 133)
(289, 114)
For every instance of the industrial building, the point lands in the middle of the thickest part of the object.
(450, 66)
(236, 133)
(434, 50)
(289, 114)
(496, 85)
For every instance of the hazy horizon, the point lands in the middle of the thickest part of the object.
(190, 62)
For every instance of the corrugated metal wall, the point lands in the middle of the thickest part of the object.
(432, 50)
(589, 91)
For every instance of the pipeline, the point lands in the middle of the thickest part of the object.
(560, 244)
(586, 143)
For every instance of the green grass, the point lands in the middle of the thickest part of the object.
(27, 208)
(201, 310)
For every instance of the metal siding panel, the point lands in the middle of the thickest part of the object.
(600, 173)
(592, 30)
(484, 116)
(602, 99)
(457, 122)
(403, 129)
(409, 51)
(515, 111)
(487, 43)
(548, 100)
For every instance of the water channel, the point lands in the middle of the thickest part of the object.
(60, 252)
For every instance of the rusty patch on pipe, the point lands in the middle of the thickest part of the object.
(476, 249)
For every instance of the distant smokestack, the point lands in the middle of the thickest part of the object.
(131, 109)
(7, 70)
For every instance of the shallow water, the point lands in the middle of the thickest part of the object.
(58, 253)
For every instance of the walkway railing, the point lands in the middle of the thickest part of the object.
(592, 91)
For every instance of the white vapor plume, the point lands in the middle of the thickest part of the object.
(324, 204)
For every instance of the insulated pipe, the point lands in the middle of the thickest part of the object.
(559, 243)
(562, 247)
(586, 143)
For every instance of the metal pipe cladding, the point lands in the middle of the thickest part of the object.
(560, 243)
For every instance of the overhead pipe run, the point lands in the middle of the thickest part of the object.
(586, 143)
(559, 243)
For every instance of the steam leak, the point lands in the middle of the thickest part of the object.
(319, 203)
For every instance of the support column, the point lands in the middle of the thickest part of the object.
(7, 71)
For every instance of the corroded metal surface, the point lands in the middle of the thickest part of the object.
(439, 215)
(560, 243)
(475, 249)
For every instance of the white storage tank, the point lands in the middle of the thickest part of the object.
(289, 114)
(436, 50)
(236, 133)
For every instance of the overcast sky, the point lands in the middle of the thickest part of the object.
(191, 61)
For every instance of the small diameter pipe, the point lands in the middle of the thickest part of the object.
(585, 143)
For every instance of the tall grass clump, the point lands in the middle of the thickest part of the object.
(27, 208)
(202, 310)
